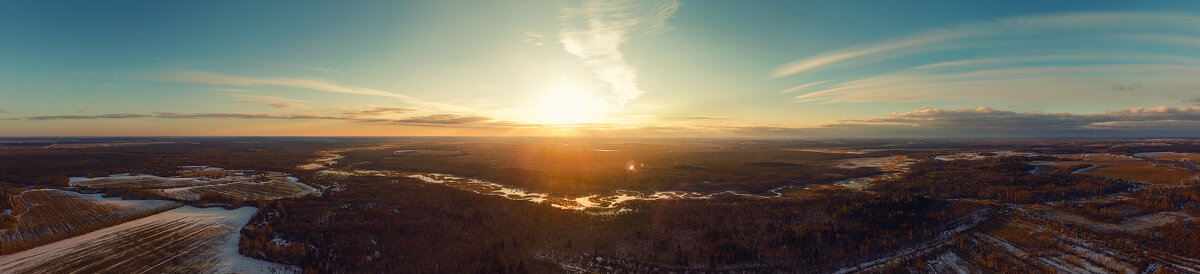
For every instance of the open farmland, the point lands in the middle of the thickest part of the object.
(196, 182)
(1170, 156)
(1146, 174)
(47, 215)
(1153, 168)
(183, 240)
(273, 188)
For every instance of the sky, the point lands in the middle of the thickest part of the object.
(662, 68)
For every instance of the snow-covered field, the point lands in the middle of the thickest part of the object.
(893, 166)
(1134, 224)
(829, 150)
(979, 156)
(49, 214)
(275, 188)
(182, 240)
(195, 181)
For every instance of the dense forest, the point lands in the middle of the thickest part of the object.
(1005, 179)
(378, 224)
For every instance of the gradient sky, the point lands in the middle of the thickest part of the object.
(801, 69)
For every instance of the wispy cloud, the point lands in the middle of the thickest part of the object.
(988, 122)
(985, 122)
(885, 50)
(320, 69)
(370, 116)
(978, 122)
(284, 105)
(372, 111)
(803, 87)
(937, 39)
(537, 39)
(1116, 57)
(229, 90)
(203, 77)
(595, 31)
(176, 115)
(90, 117)
(273, 101)
(697, 118)
(443, 119)
(1091, 83)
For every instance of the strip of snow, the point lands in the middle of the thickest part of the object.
(186, 239)
(208, 180)
(52, 212)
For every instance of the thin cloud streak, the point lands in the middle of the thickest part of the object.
(803, 87)
(274, 104)
(939, 39)
(464, 120)
(1051, 84)
(694, 118)
(89, 117)
(595, 32)
(228, 90)
(376, 111)
(203, 77)
(985, 122)
(443, 119)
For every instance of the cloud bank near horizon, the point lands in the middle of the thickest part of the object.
(926, 122)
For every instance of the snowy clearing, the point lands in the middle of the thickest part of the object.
(50, 214)
(197, 181)
(186, 239)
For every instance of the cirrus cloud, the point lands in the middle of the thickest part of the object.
(595, 31)
(1116, 57)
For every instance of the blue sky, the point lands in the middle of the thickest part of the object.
(604, 68)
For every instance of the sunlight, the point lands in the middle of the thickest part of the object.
(567, 104)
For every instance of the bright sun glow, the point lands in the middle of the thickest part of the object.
(567, 104)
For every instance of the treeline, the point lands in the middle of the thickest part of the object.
(1002, 179)
(383, 224)
(1185, 198)
(829, 230)
(9, 208)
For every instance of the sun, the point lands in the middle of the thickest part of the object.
(568, 104)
